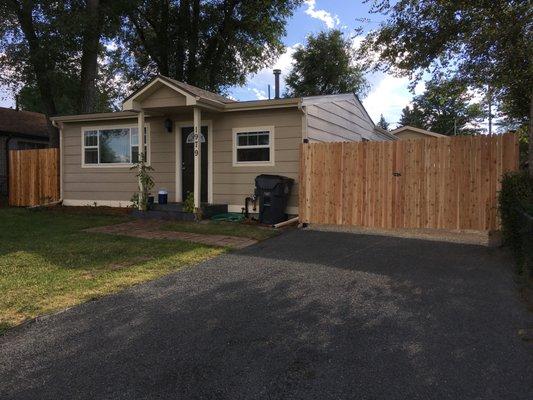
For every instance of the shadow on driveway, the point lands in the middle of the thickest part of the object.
(307, 315)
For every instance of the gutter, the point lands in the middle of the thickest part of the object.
(60, 128)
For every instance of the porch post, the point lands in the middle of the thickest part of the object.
(140, 126)
(140, 130)
(197, 158)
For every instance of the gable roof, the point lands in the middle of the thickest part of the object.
(198, 91)
(185, 87)
(418, 130)
(26, 123)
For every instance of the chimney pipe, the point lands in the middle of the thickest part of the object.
(277, 73)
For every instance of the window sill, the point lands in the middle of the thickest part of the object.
(253, 164)
(107, 165)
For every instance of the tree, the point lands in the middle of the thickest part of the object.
(479, 42)
(445, 107)
(412, 116)
(50, 53)
(212, 44)
(325, 65)
(382, 123)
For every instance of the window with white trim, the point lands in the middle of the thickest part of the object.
(253, 146)
(112, 146)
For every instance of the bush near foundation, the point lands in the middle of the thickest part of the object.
(516, 211)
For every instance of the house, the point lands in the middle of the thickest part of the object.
(19, 130)
(236, 141)
(410, 132)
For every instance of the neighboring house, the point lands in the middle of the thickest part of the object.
(410, 132)
(19, 130)
(239, 140)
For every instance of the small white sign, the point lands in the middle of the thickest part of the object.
(190, 138)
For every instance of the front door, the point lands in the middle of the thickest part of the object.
(187, 162)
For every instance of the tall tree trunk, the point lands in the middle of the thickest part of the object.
(163, 34)
(181, 39)
(39, 63)
(89, 58)
(193, 44)
(530, 137)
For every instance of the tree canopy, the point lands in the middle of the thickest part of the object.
(412, 116)
(445, 107)
(325, 65)
(77, 56)
(212, 44)
(483, 43)
(382, 123)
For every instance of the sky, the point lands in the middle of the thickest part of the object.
(388, 94)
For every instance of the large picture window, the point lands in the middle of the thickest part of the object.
(112, 146)
(253, 146)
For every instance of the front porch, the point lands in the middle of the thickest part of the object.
(183, 110)
(175, 211)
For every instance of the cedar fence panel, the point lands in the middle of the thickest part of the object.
(33, 177)
(445, 183)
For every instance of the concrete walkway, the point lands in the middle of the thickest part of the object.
(151, 229)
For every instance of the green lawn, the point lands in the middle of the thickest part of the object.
(223, 228)
(48, 263)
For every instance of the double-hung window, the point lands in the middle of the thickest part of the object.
(112, 146)
(253, 146)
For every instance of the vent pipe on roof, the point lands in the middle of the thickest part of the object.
(277, 73)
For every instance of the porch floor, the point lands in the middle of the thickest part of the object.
(175, 211)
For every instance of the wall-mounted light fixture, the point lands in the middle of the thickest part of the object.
(168, 125)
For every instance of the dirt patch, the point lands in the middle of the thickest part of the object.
(100, 210)
(152, 229)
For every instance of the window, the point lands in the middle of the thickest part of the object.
(112, 146)
(253, 146)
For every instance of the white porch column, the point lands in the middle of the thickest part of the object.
(140, 127)
(197, 157)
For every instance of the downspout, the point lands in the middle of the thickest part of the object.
(60, 127)
(305, 133)
(9, 137)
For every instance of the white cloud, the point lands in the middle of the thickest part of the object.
(389, 96)
(6, 98)
(328, 18)
(259, 94)
(257, 84)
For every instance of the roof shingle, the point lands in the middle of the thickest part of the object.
(23, 122)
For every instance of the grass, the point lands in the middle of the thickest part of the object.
(223, 228)
(48, 263)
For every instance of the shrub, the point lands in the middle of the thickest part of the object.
(188, 204)
(516, 212)
(145, 183)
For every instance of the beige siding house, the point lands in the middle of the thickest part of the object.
(410, 132)
(234, 142)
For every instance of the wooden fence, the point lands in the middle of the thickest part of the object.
(33, 177)
(448, 183)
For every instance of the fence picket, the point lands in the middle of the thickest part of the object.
(449, 183)
(33, 177)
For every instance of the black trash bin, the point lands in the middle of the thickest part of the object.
(273, 193)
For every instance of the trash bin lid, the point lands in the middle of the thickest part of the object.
(269, 182)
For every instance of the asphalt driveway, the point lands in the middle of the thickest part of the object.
(307, 315)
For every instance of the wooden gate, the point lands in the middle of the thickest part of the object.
(33, 177)
(448, 183)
